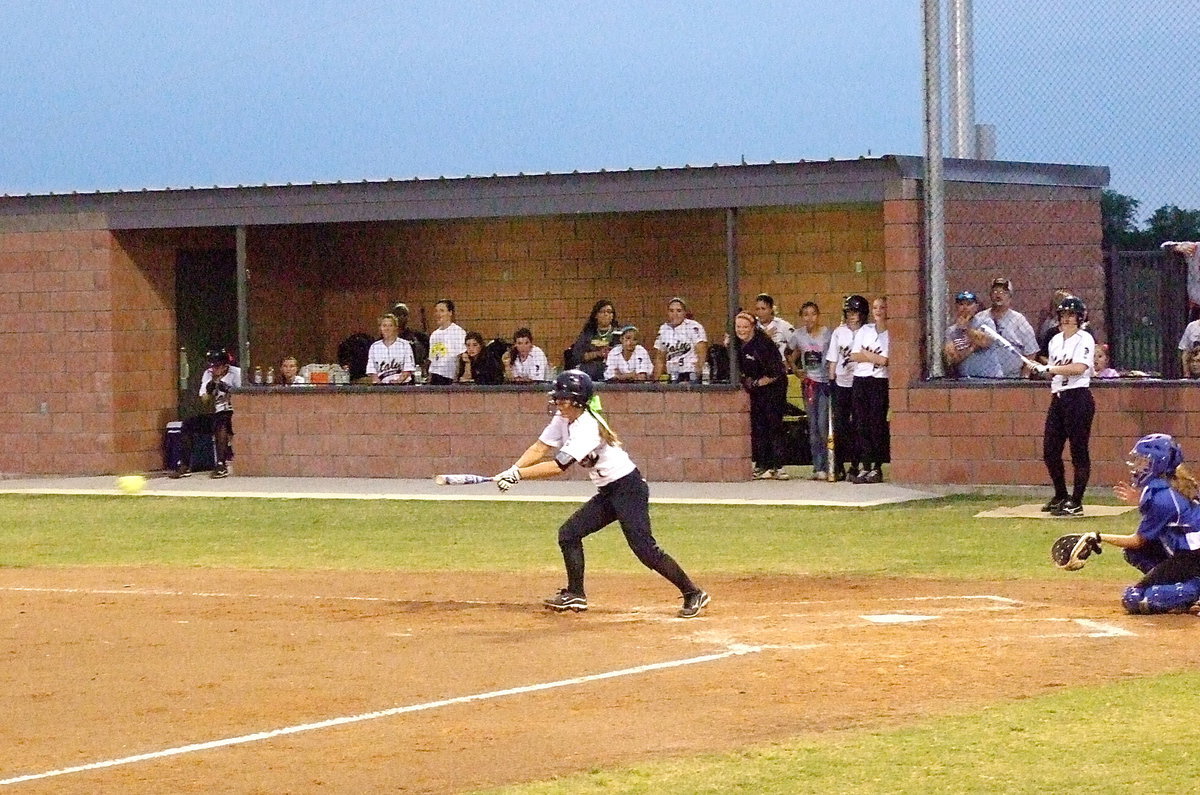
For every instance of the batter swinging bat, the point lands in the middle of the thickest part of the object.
(995, 337)
(461, 480)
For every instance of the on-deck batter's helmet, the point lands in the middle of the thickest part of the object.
(1075, 306)
(575, 386)
(856, 303)
(1153, 456)
(218, 356)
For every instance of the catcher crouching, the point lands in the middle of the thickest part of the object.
(1166, 545)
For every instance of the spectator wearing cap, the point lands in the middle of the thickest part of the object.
(965, 348)
(1009, 324)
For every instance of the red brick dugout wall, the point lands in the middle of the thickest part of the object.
(673, 433)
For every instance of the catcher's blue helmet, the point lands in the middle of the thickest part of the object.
(573, 385)
(1154, 456)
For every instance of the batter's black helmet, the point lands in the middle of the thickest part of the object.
(573, 385)
(856, 303)
(218, 356)
(1075, 306)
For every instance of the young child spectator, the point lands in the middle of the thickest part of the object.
(1191, 364)
(215, 386)
(681, 347)
(808, 344)
(1189, 341)
(525, 363)
(446, 344)
(476, 365)
(630, 362)
(599, 335)
(390, 360)
(1102, 365)
(289, 372)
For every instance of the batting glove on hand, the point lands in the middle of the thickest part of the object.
(1041, 369)
(508, 478)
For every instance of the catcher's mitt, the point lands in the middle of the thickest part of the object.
(1070, 552)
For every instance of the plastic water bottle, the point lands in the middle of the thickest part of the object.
(672, 370)
(705, 376)
(258, 375)
(270, 375)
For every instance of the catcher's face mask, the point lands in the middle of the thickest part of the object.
(1139, 468)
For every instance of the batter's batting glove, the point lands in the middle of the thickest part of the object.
(508, 478)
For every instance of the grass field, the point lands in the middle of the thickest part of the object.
(1139, 734)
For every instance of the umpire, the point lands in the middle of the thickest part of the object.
(1069, 418)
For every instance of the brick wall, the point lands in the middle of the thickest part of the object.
(673, 433)
(548, 272)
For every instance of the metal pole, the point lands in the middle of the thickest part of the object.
(242, 306)
(732, 289)
(961, 59)
(934, 193)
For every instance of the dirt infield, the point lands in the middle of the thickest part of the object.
(445, 682)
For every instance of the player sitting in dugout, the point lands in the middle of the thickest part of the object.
(1166, 545)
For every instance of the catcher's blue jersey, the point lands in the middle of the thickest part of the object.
(1169, 518)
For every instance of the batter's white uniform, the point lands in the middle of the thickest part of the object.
(679, 345)
(535, 366)
(617, 364)
(445, 346)
(1079, 348)
(582, 441)
(222, 400)
(391, 362)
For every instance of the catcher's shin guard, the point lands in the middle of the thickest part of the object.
(1172, 598)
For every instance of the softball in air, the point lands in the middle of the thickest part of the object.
(131, 484)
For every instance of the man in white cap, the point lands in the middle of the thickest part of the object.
(1009, 324)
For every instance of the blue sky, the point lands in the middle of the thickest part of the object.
(120, 94)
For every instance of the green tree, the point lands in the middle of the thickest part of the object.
(1172, 223)
(1118, 215)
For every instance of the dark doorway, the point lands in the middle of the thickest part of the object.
(205, 315)
(1147, 310)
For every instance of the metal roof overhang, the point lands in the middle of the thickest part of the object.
(715, 187)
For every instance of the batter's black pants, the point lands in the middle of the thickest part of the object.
(870, 399)
(767, 405)
(1069, 419)
(845, 438)
(626, 501)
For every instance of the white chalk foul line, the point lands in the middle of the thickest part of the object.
(734, 650)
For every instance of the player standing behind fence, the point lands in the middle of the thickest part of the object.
(1069, 418)
(841, 372)
(581, 436)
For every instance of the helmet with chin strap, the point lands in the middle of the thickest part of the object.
(1154, 456)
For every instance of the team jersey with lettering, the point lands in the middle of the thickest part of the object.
(617, 364)
(390, 362)
(222, 400)
(679, 344)
(581, 440)
(1079, 348)
(868, 338)
(1168, 518)
(840, 343)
